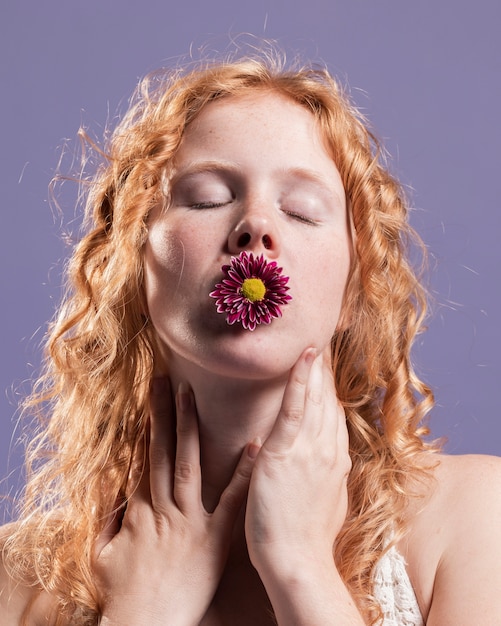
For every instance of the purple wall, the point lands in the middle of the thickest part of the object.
(426, 73)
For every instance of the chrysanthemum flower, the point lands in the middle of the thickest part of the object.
(251, 291)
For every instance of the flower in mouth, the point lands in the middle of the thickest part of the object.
(251, 291)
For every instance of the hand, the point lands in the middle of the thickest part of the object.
(297, 499)
(163, 565)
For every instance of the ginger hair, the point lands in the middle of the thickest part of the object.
(92, 399)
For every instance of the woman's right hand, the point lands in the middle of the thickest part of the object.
(164, 563)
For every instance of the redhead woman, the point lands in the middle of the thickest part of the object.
(231, 431)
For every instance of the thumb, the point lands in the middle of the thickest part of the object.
(233, 496)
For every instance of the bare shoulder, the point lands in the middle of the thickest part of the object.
(15, 597)
(454, 543)
(471, 470)
(467, 496)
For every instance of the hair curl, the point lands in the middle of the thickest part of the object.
(92, 400)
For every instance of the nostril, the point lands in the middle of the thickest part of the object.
(266, 241)
(243, 240)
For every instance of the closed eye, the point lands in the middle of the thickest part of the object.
(300, 217)
(207, 205)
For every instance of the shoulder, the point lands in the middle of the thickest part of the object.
(476, 469)
(466, 499)
(454, 544)
(15, 598)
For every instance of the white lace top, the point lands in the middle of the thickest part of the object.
(394, 592)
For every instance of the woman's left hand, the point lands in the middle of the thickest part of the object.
(297, 499)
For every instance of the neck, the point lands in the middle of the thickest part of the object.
(231, 413)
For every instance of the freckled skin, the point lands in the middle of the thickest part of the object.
(240, 183)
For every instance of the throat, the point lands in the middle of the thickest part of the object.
(240, 598)
(225, 430)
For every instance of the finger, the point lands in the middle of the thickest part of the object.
(330, 395)
(313, 422)
(327, 357)
(332, 421)
(111, 528)
(328, 370)
(161, 444)
(234, 495)
(343, 442)
(138, 464)
(187, 473)
(315, 386)
(291, 413)
(335, 413)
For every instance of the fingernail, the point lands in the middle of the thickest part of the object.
(184, 396)
(253, 448)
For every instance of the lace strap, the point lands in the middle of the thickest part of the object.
(394, 592)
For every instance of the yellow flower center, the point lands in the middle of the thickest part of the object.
(253, 289)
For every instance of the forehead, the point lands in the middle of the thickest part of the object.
(263, 120)
(269, 111)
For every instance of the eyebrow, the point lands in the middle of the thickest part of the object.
(202, 167)
(208, 166)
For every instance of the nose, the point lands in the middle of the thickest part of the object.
(256, 233)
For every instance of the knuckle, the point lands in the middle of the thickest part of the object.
(183, 471)
(134, 517)
(292, 414)
(346, 464)
(158, 456)
(242, 475)
(230, 500)
(183, 429)
(314, 396)
(275, 462)
(298, 383)
(162, 517)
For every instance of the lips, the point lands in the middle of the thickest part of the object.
(252, 291)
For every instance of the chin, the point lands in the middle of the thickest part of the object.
(255, 355)
(231, 351)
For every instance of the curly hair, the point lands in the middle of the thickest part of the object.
(92, 400)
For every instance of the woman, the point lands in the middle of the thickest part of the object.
(235, 429)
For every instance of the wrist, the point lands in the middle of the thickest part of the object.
(306, 591)
(286, 562)
(296, 569)
(139, 612)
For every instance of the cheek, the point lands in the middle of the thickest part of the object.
(164, 261)
(329, 267)
(330, 262)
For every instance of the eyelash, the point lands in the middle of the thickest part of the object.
(215, 205)
(301, 218)
(207, 205)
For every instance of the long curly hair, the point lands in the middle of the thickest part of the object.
(91, 403)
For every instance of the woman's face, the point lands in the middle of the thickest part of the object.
(252, 173)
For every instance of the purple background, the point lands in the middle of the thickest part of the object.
(426, 73)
